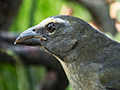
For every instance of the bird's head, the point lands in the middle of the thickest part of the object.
(57, 34)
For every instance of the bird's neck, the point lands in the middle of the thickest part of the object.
(83, 71)
(82, 76)
(86, 60)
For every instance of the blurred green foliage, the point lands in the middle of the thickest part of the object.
(43, 9)
(8, 77)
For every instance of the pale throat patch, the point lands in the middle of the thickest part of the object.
(52, 19)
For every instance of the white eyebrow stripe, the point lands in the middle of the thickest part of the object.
(54, 20)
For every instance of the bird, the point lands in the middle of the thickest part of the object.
(90, 59)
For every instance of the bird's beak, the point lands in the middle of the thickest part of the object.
(29, 37)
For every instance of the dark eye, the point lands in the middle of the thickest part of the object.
(50, 27)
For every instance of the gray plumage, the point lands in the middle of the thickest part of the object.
(90, 59)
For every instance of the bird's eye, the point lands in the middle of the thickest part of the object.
(51, 27)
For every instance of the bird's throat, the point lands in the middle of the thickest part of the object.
(82, 76)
